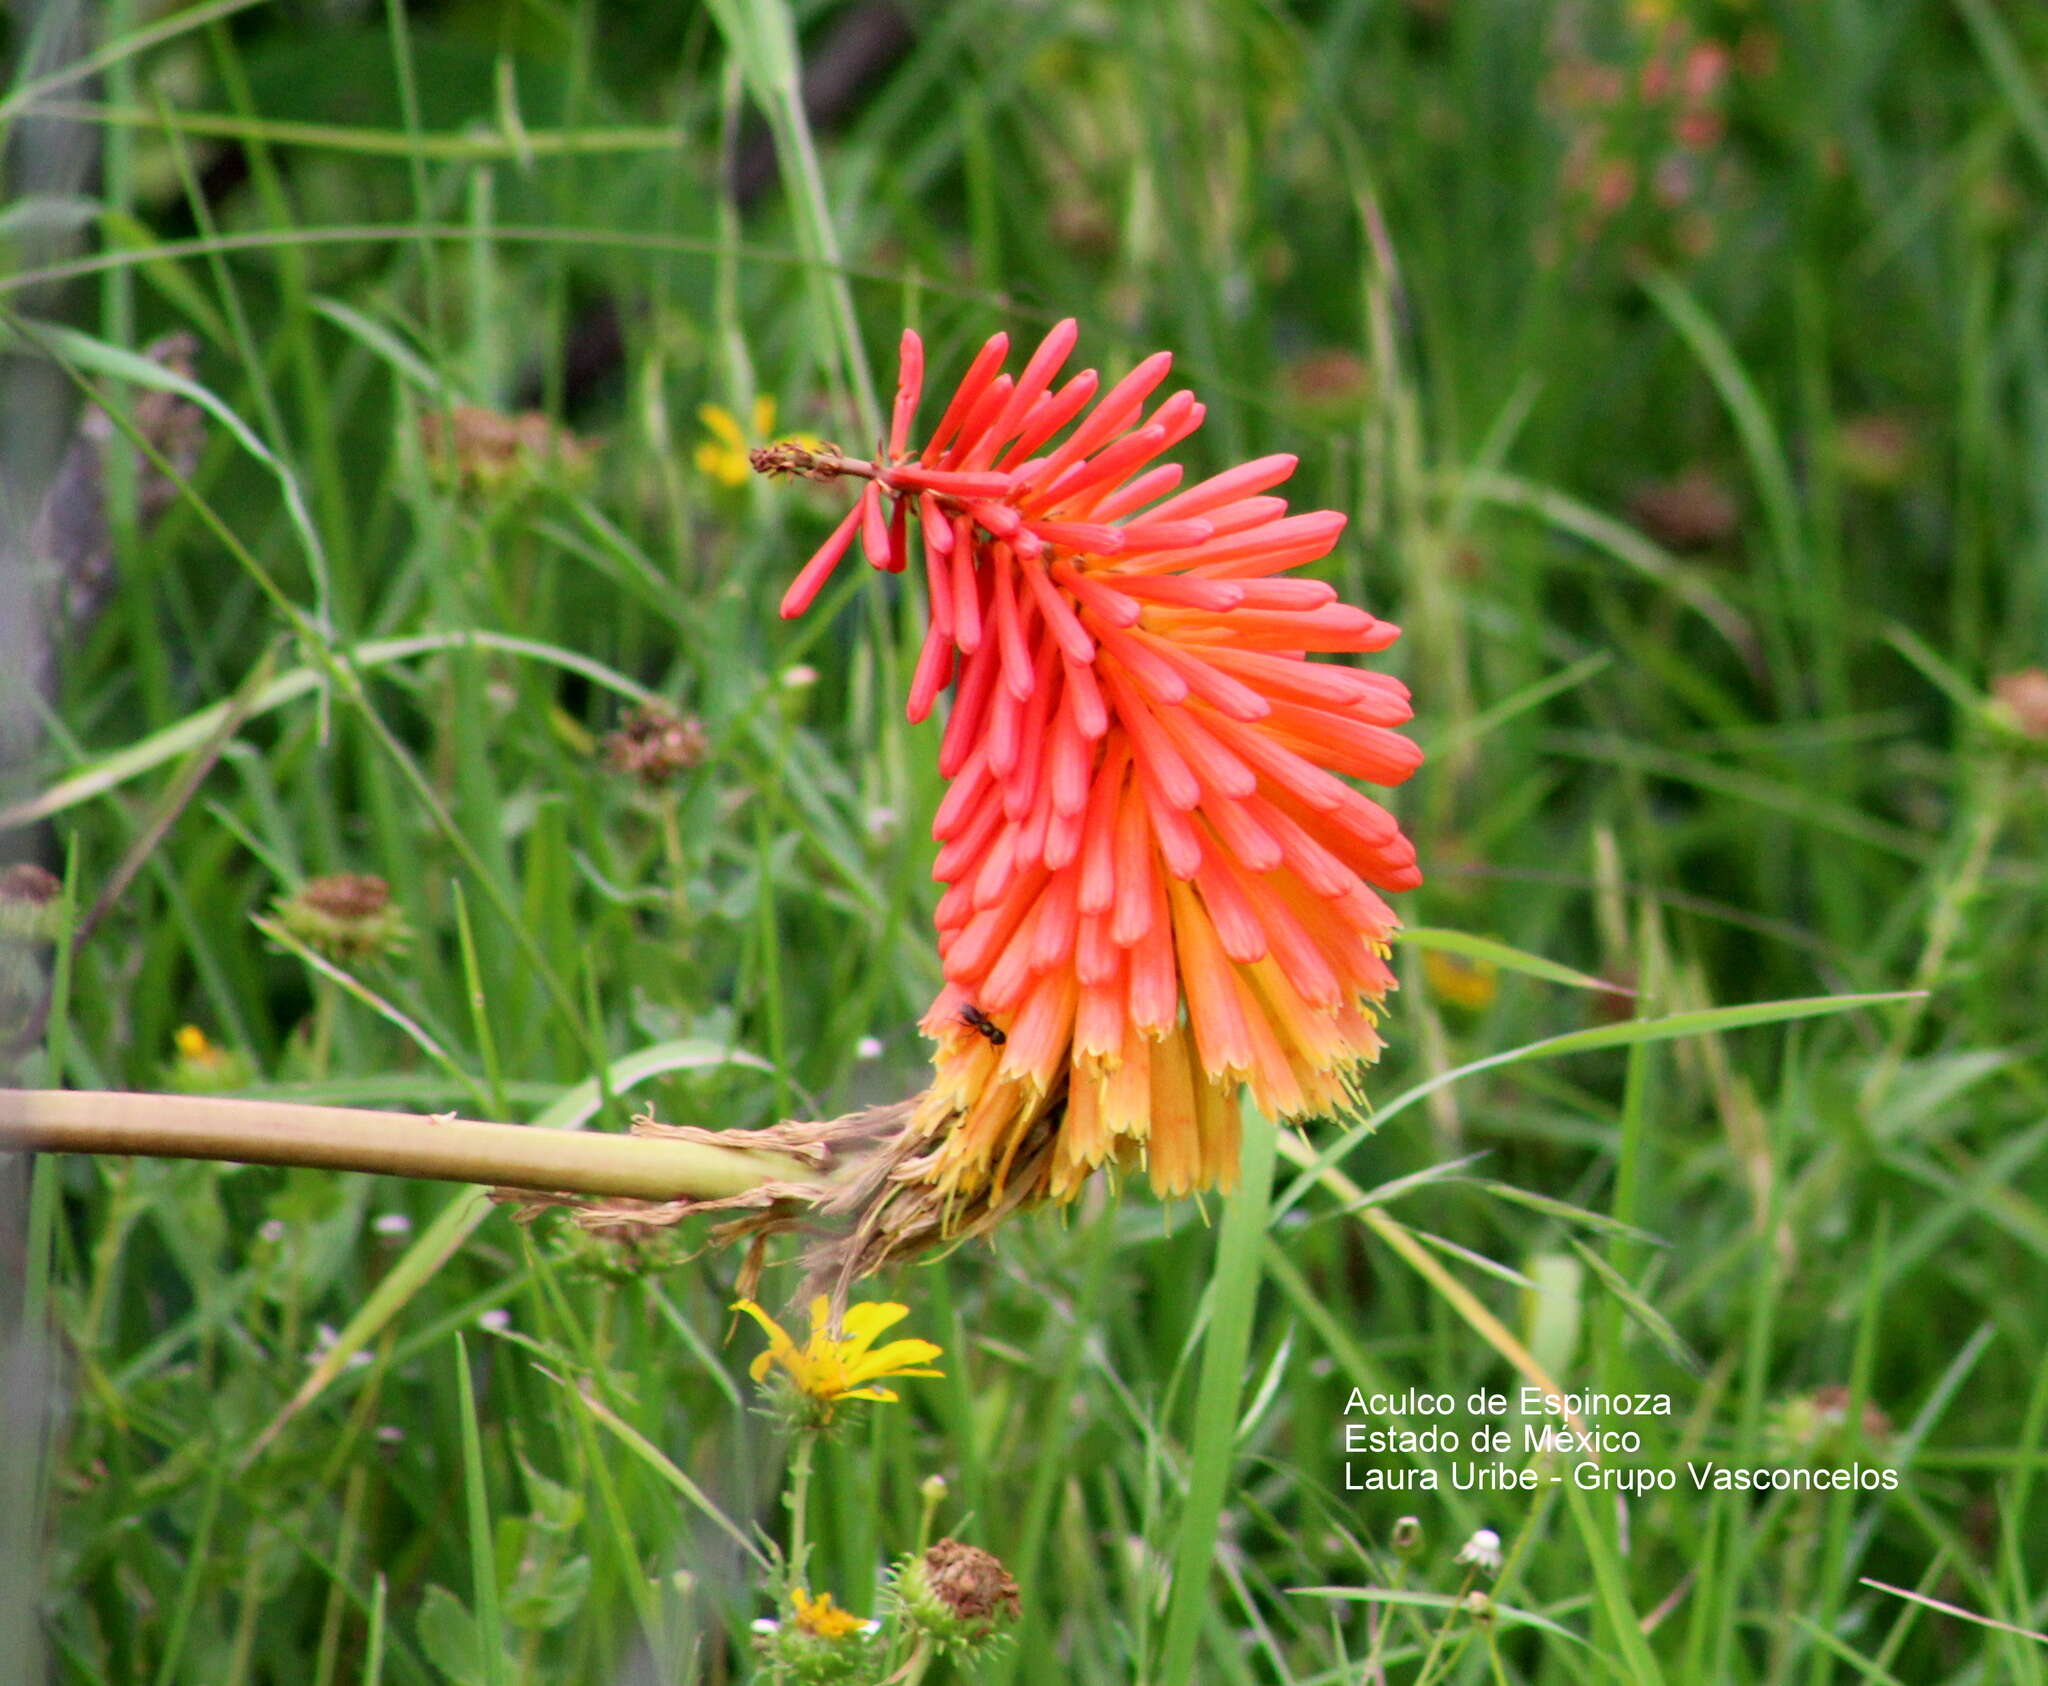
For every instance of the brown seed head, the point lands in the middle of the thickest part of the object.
(655, 743)
(1879, 450)
(1328, 379)
(971, 1583)
(344, 916)
(28, 904)
(2022, 701)
(484, 451)
(1693, 512)
(790, 456)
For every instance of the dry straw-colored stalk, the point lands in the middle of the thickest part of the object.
(654, 1167)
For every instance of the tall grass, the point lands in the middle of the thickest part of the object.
(1764, 768)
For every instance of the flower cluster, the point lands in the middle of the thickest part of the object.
(833, 1366)
(820, 1644)
(1646, 140)
(1159, 888)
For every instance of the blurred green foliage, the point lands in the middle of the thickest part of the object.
(1685, 370)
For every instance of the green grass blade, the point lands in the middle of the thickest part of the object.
(1705, 1022)
(1233, 1294)
(1492, 952)
(483, 1562)
(1610, 1586)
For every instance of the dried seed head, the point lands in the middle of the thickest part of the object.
(1328, 380)
(500, 457)
(958, 1594)
(29, 910)
(794, 456)
(2020, 700)
(1407, 1536)
(1880, 450)
(1813, 1428)
(346, 916)
(1693, 512)
(655, 744)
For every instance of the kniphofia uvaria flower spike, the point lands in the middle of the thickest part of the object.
(1160, 884)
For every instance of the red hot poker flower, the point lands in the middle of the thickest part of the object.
(1158, 885)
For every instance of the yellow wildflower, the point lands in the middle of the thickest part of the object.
(726, 455)
(202, 1065)
(821, 1617)
(829, 1367)
(1470, 984)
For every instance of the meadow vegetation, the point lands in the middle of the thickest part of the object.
(1683, 367)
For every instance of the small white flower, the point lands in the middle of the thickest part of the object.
(390, 1434)
(271, 1231)
(799, 677)
(1482, 1551)
(497, 1320)
(325, 1339)
(393, 1224)
(868, 1048)
(766, 1625)
(881, 823)
(869, 1629)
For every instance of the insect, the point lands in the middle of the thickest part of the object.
(975, 1019)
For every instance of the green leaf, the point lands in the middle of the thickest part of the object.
(483, 1568)
(84, 352)
(547, 1596)
(557, 1508)
(1646, 1316)
(1495, 953)
(1610, 1583)
(1707, 1021)
(661, 1463)
(1212, 1453)
(388, 348)
(1565, 1212)
(448, 1635)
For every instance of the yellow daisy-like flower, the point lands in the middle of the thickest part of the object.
(726, 455)
(203, 1065)
(192, 1044)
(821, 1617)
(1470, 984)
(829, 1367)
